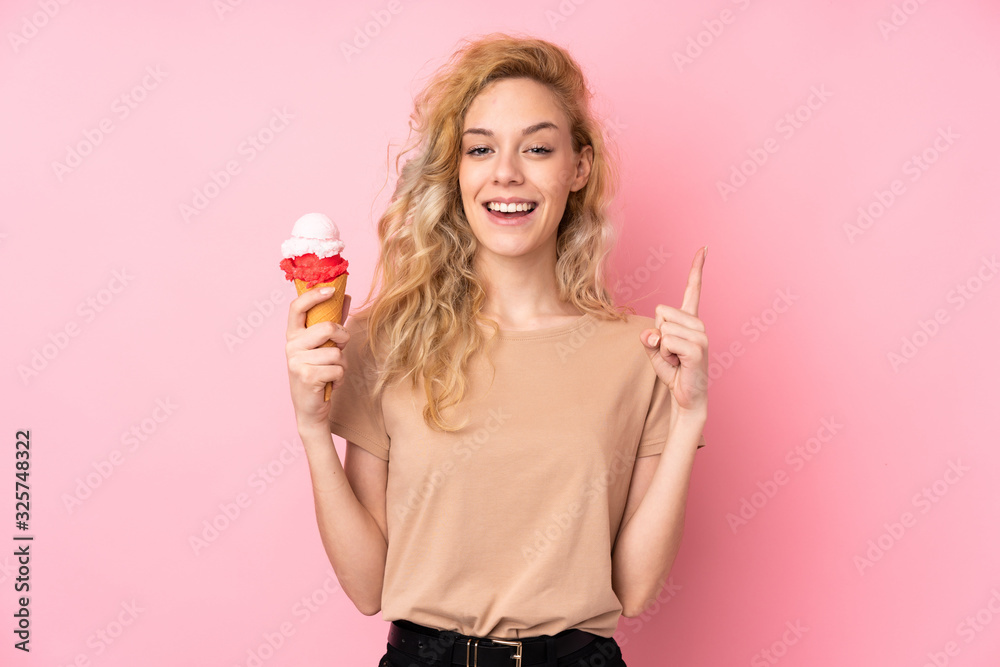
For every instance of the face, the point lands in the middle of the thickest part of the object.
(517, 151)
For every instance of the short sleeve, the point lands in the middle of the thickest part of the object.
(657, 425)
(353, 416)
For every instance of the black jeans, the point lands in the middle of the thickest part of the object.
(602, 652)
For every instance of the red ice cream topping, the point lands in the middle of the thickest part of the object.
(312, 269)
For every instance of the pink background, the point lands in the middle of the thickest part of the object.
(137, 316)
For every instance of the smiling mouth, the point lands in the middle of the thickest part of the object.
(510, 210)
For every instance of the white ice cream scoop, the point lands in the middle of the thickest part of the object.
(315, 233)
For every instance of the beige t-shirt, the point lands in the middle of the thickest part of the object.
(506, 528)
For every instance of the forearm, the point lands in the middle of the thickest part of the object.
(650, 539)
(352, 539)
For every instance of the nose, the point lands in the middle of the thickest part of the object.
(507, 168)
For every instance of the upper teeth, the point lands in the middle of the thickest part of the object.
(509, 208)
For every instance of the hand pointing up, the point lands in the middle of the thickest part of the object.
(678, 347)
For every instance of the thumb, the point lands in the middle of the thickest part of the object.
(651, 343)
(650, 339)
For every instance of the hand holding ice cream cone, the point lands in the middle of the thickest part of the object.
(312, 260)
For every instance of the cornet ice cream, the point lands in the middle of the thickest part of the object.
(312, 254)
(312, 259)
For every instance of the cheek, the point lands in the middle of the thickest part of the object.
(566, 175)
(556, 185)
(466, 185)
(557, 179)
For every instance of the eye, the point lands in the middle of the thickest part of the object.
(482, 150)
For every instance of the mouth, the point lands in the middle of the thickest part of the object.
(510, 212)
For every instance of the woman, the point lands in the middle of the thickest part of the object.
(518, 449)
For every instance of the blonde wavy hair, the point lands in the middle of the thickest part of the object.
(425, 321)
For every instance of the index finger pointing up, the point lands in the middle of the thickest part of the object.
(692, 293)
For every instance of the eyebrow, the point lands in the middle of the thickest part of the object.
(544, 125)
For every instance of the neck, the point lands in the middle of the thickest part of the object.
(521, 292)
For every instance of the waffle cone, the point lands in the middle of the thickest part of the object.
(330, 310)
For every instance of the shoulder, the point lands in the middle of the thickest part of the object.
(356, 324)
(358, 346)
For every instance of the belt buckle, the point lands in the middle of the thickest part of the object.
(475, 661)
(517, 649)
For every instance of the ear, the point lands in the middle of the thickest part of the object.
(585, 161)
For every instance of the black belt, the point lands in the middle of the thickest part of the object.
(483, 651)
